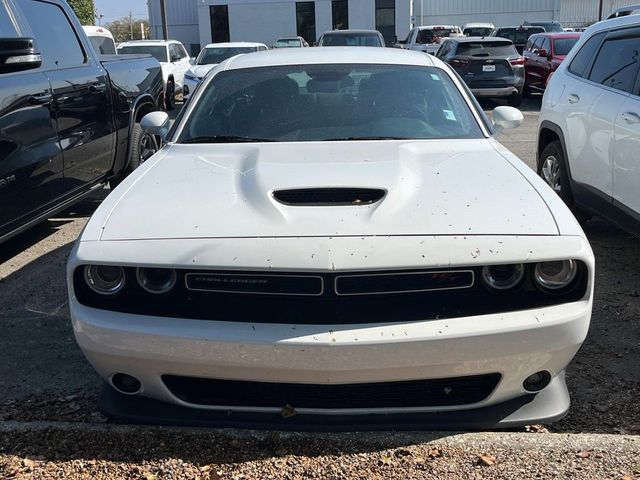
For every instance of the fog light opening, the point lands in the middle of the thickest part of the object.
(126, 384)
(537, 381)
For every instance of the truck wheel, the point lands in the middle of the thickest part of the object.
(170, 96)
(142, 146)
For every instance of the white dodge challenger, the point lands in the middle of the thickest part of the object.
(332, 238)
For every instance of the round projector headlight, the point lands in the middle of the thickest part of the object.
(555, 275)
(156, 280)
(503, 277)
(104, 279)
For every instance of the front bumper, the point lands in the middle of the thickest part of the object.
(515, 345)
(496, 92)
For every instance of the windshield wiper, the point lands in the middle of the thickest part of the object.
(347, 139)
(227, 139)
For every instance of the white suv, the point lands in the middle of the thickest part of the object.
(589, 130)
(173, 59)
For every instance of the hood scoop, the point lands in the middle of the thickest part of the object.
(329, 197)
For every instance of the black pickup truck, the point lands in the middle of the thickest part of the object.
(69, 120)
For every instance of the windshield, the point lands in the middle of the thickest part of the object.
(350, 40)
(287, 43)
(103, 45)
(486, 49)
(562, 46)
(478, 31)
(517, 35)
(213, 56)
(159, 52)
(429, 36)
(329, 102)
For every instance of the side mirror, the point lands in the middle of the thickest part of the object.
(156, 123)
(18, 54)
(543, 53)
(506, 118)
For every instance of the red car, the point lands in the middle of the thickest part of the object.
(543, 54)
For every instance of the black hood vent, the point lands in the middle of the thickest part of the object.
(330, 197)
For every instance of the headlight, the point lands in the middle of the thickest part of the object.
(503, 277)
(156, 280)
(190, 76)
(104, 279)
(555, 275)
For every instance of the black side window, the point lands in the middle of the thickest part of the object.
(56, 37)
(616, 65)
(583, 58)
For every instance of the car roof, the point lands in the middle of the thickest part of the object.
(329, 55)
(234, 44)
(347, 32)
(431, 27)
(557, 35)
(158, 43)
(478, 24)
(476, 39)
(289, 38)
(624, 21)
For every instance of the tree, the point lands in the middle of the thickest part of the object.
(85, 11)
(121, 29)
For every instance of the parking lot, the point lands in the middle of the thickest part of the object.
(44, 376)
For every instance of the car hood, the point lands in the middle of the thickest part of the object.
(201, 70)
(461, 187)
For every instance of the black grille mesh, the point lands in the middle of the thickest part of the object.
(418, 393)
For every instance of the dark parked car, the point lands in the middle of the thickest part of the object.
(68, 118)
(491, 67)
(543, 55)
(549, 26)
(351, 38)
(518, 35)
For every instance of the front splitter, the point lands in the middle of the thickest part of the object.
(548, 406)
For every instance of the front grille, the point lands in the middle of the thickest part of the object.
(418, 393)
(329, 196)
(325, 298)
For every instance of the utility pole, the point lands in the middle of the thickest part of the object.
(600, 9)
(163, 15)
(131, 25)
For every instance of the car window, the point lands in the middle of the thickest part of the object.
(427, 35)
(103, 45)
(616, 65)
(173, 52)
(518, 35)
(478, 31)
(546, 44)
(159, 52)
(287, 43)
(296, 103)
(562, 46)
(351, 40)
(214, 56)
(487, 49)
(183, 52)
(583, 58)
(9, 26)
(57, 40)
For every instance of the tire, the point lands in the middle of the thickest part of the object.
(552, 168)
(170, 96)
(515, 100)
(141, 147)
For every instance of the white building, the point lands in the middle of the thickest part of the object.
(266, 20)
(512, 12)
(182, 22)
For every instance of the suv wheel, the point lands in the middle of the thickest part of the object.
(552, 168)
(170, 96)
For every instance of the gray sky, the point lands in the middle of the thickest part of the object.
(116, 9)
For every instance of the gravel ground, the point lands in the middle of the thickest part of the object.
(152, 453)
(43, 377)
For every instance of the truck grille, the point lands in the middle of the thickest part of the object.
(418, 393)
